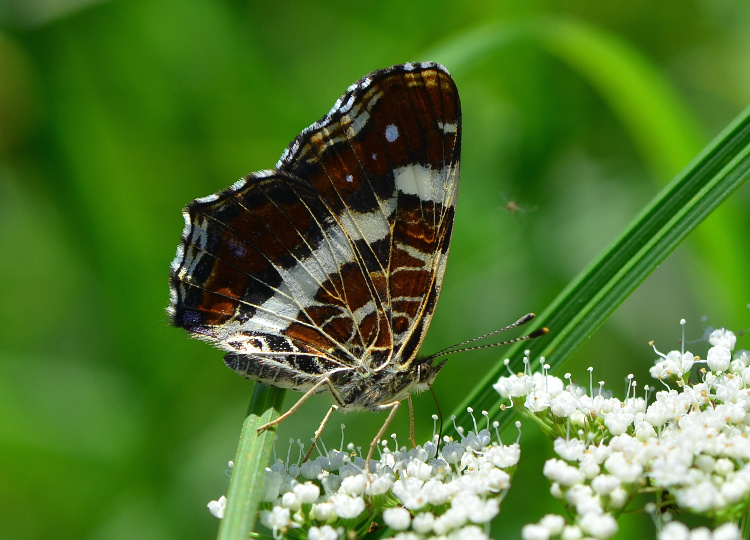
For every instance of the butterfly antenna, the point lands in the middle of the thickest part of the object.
(461, 347)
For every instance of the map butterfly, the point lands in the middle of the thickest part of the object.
(323, 273)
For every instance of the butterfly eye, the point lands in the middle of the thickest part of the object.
(423, 372)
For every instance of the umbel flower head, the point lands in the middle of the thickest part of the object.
(689, 445)
(421, 492)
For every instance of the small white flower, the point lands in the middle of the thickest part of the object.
(698, 497)
(453, 452)
(419, 469)
(599, 525)
(731, 390)
(276, 519)
(734, 490)
(408, 535)
(537, 401)
(553, 523)
(743, 357)
(618, 421)
(718, 358)
(584, 499)
(675, 363)
(626, 471)
(347, 507)
(548, 383)
(644, 431)
(588, 465)
(476, 441)
(422, 522)
(397, 518)
(311, 469)
(453, 518)
(306, 493)
(435, 492)
(674, 530)
(335, 459)
(569, 450)
(470, 532)
(605, 484)
(671, 467)
(272, 486)
(722, 338)
(534, 531)
(469, 463)
(513, 386)
(387, 461)
(326, 532)
(330, 482)
(564, 404)
(560, 472)
(578, 419)
(723, 466)
(701, 533)
(504, 456)
(658, 414)
(571, 532)
(289, 500)
(354, 485)
(728, 531)
(380, 485)
(618, 498)
(323, 511)
(477, 510)
(217, 508)
(704, 463)
(495, 480)
(729, 413)
(409, 491)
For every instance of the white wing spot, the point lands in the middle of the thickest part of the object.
(349, 178)
(374, 155)
(391, 133)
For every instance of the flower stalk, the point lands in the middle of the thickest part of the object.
(253, 453)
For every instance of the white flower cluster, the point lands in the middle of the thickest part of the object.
(674, 530)
(690, 445)
(416, 493)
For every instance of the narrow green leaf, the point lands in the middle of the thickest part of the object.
(248, 473)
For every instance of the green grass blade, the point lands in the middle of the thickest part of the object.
(253, 454)
(586, 303)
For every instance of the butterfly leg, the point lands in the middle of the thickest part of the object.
(296, 406)
(319, 431)
(393, 407)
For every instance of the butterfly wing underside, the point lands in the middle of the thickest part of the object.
(333, 261)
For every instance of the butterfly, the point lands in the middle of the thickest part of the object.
(322, 274)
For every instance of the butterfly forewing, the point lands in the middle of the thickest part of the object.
(334, 260)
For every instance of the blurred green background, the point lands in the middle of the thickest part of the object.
(115, 114)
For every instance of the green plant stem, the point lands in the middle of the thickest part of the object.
(253, 453)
